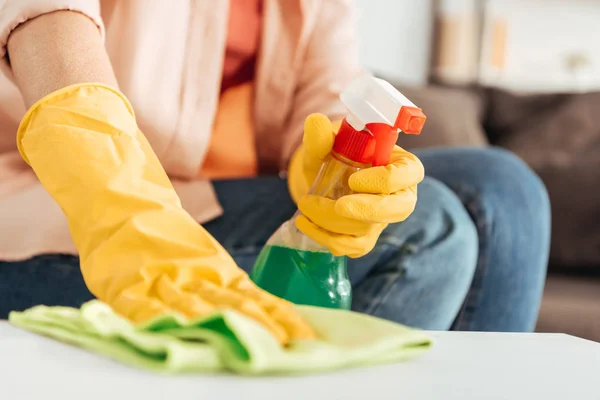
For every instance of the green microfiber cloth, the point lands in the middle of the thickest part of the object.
(226, 340)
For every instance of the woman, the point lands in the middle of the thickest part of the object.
(221, 90)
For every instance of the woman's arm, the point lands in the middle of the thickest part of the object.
(56, 50)
(330, 63)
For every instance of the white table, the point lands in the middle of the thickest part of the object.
(465, 366)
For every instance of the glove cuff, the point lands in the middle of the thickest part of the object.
(86, 94)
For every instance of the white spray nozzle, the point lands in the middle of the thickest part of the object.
(373, 100)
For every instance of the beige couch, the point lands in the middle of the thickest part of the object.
(559, 136)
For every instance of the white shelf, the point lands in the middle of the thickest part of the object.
(549, 46)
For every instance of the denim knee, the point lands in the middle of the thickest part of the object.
(505, 168)
(441, 225)
(511, 208)
(495, 176)
(421, 269)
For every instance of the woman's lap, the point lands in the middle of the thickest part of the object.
(46, 279)
(511, 210)
(421, 270)
(418, 274)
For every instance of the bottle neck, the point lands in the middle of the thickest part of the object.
(348, 161)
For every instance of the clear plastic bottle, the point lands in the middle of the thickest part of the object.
(293, 266)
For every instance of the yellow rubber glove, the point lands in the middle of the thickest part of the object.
(140, 251)
(352, 224)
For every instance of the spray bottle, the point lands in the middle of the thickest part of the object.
(291, 265)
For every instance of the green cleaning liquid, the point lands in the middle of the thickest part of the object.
(303, 277)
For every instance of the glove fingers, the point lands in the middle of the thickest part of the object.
(298, 183)
(293, 323)
(228, 298)
(138, 308)
(181, 300)
(280, 310)
(318, 136)
(321, 211)
(254, 311)
(404, 171)
(378, 208)
(338, 244)
(317, 143)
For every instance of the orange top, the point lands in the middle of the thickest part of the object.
(232, 151)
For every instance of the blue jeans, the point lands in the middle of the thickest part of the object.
(472, 256)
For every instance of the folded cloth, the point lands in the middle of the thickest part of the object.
(226, 340)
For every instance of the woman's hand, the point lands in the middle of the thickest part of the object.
(352, 224)
(140, 251)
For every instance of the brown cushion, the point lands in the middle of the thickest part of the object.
(453, 117)
(559, 136)
(571, 305)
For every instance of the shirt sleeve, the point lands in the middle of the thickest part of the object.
(15, 12)
(331, 63)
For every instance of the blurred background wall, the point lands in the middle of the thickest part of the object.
(395, 38)
(535, 46)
